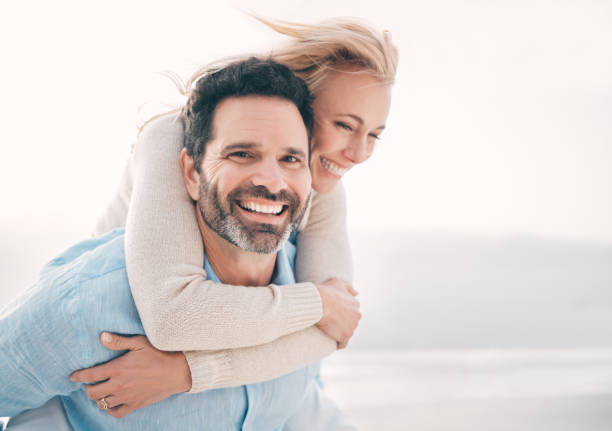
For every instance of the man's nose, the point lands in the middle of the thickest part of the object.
(270, 175)
(359, 149)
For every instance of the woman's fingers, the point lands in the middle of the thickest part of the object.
(95, 392)
(120, 411)
(118, 342)
(111, 342)
(108, 402)
(141, 376)
(341, 313)
(93, 374)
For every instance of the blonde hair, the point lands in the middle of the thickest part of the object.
(345, 44)
(316, 50)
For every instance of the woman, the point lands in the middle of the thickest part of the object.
(349, 68)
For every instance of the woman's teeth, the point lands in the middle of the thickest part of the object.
(264, 209)
(332, 167)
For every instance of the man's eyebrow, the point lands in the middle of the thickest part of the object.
(360, 120)
(240, 146)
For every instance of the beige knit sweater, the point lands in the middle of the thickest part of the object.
(231, 335)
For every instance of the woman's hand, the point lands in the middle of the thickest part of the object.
(341, 313)
(140, 377)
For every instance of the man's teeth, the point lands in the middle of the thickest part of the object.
(332, 167)
(264, 209)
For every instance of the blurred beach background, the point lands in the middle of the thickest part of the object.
(480, 228)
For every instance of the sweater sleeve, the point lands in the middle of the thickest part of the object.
(180, 309)
(323, 249)
(234, 367)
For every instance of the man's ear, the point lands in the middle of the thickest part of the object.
(190, 175)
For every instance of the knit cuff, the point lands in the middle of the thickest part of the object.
(303, 304)
(209, 370)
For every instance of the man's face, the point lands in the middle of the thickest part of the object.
(254, 178)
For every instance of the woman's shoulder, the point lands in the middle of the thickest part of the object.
(162, 127)
(334, 198)
(324, 206)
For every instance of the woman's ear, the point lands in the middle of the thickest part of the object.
(190, 175)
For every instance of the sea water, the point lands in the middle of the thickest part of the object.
(478, 389)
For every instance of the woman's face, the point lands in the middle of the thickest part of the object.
(350, 111)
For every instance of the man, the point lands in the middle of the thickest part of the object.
(248, 173)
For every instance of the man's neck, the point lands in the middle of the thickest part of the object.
(233, 265)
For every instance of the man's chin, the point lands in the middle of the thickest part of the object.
(260, 238)
(265, 242)
(260, 246)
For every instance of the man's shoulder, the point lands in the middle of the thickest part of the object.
(107, 249)
(89, 259)
(85, 290)
(64, 281)
(53, 328)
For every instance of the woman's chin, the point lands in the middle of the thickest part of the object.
(324, 185)
(323, 181)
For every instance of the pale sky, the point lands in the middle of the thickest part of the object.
(500, 122)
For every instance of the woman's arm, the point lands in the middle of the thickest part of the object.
(234, 367)
(323, 249)
(323, 253)
(179, 308)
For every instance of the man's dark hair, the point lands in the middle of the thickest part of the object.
(252, 77)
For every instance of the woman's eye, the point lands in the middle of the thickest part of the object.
(375, 136)
(344, 126)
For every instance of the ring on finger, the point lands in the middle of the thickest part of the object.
(103, 404)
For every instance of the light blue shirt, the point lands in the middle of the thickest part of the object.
(54, 330)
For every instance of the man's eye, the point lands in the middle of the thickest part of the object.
(240, 154)
(291, 159)
(344, 126)
(375, 136)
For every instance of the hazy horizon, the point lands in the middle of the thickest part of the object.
(438, 290)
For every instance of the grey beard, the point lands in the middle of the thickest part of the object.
(237, 236)
(228, 227)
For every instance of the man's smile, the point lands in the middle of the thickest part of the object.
(263, 211)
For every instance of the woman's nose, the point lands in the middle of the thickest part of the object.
(359, 149)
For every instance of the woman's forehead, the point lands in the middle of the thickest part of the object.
(359, 94)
